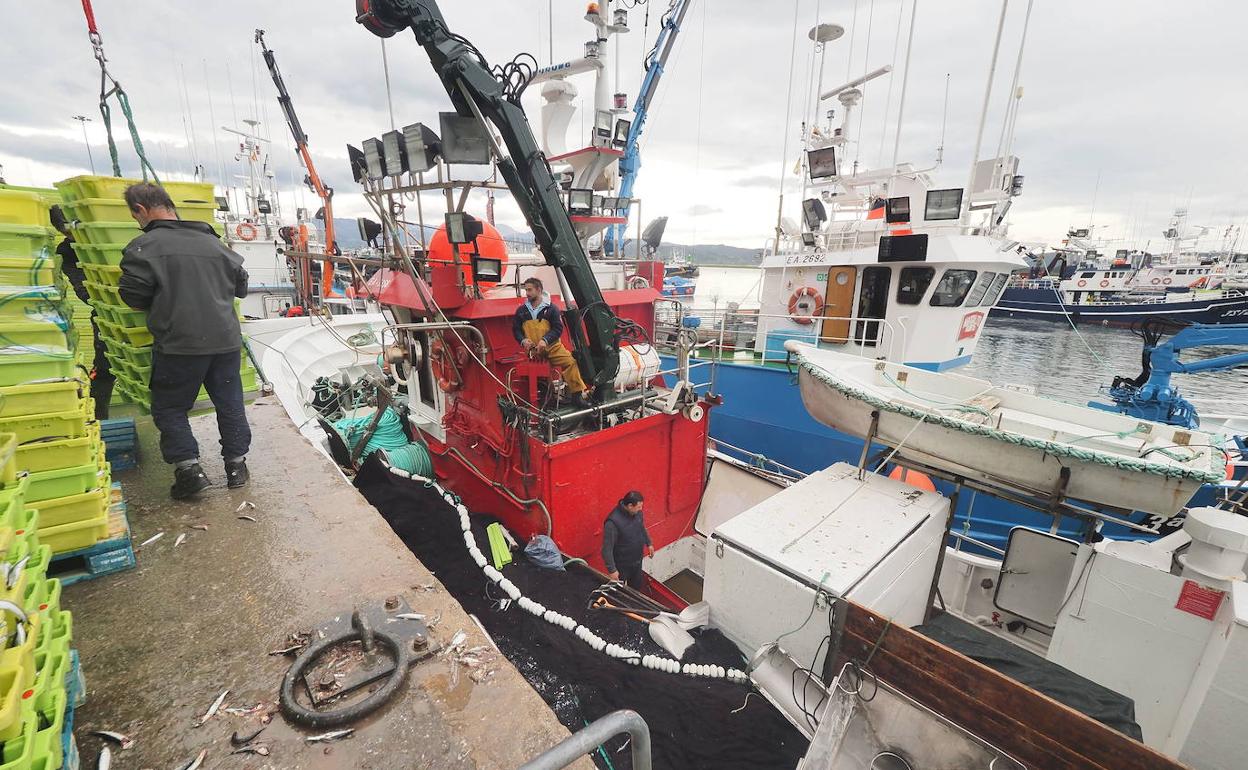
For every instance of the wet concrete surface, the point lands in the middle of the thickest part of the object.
(159, 643)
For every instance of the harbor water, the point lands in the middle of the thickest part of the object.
(1056, 360)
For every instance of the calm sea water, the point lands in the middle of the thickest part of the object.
(1056, 360)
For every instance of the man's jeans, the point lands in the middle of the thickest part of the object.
(175, 384)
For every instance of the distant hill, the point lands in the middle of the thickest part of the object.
(703, 254)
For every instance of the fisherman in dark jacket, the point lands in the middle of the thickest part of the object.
(625, 541)
(537, 326)
(187, 280)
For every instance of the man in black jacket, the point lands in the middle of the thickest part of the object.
(102, 377)
(625, 541)
(186, 280)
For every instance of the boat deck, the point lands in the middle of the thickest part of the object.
(159, 643)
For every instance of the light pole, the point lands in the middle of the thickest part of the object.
(83, 120)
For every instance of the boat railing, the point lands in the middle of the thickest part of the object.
(728, 334)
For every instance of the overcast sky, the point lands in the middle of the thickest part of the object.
(1148, 97)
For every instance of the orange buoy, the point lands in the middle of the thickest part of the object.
(913, 478)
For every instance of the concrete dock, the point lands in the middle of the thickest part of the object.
(159, 643)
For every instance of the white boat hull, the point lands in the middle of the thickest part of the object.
(1025, 443)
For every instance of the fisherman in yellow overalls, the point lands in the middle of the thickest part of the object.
(538, 327)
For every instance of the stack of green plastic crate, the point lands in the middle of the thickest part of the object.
(35, 657)
(102, 229)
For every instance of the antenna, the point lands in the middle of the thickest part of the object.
(944, 120)
(983, 115)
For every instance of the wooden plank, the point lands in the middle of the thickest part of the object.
(1034, 728)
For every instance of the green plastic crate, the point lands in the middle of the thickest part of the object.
(34, 335)
(50, 455)
(99, 253)
(94, 186)
(52, 426)
(39, 397)
(18, 207)
(75, 535)
(70, 509)
(121, 315)
(19, 366)
(27, 240)
(102, 292)
(108, 275)
(140, 356)
(65, 482)
(107, 233)
(36, 302)
(92, 210)
(131, 335)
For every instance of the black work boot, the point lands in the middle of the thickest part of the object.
(188, 482)
(236, 474)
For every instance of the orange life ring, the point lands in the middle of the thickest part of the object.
(1104, 283)
(803, 310)
(1081, 284)
(1166, 281)
(444, 369)
(1156, 281)
(246, 231)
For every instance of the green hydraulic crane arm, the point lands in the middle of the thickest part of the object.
(476, 91)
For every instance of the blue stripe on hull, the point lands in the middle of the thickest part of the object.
(1044, 303)
(763, 413)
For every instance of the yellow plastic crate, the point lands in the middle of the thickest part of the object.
(29, 302)
(22, 656)
(27, 240)
(22, 208)
(71, 509)
(19, 748)
(63, 482)
(108, 275)
(30, 335)
(137, 336)
(26, 271)
(22, 365)
(51, 426)
(94, 186)
(40, 397)
(75, 535)
(50, 455)
(10, 704)
(103, 254)
(106, 233)
(8, 459)
(101, 292)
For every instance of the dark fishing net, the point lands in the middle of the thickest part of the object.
(694, 723)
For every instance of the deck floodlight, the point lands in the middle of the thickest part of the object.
(223, 203)
(263, 206)
(620, 137)
(422, 147)
(897, 209)
(603, 124)
(808, 239)
(822, 163)
(395, 153)
(943, 205)
(486, 269)
(374, 158)
(369, 230)
(463, 139)
(591, 49)
(462, 228)
(359, 168)
(813, 213)
(620, 20)
(580, 202)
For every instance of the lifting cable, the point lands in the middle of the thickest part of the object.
(97, 44)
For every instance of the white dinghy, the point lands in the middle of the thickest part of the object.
(1004, 437)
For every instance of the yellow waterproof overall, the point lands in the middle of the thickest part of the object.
(556, 353)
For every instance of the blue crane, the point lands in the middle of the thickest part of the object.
(656, 61)
(1150, 396)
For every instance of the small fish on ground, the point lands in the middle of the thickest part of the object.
(181, 539)
(106, 759)
(125, 741)
(243, 740)
(333, 735)
(212, 710)
(248, 518)
(245, 505)
(259, 749)
(203, 527)
(409, 616)
(152, 539)
(197, 761)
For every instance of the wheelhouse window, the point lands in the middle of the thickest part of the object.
(913, 284)
(872, 303)
(994, 292)
(943, 204)
(976, 297)
(953, 287)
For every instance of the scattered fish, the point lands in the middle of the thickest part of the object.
(459, 638)
(152, 539)
(244, 506)
(287, 650)
(181, 539)
(125, 741)
(333, 735)
(410, 616)
(199, 759)
(243, 740)
(248, 518)
(259, 749)
(212, 710)
(203, 527)
(106, 759)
